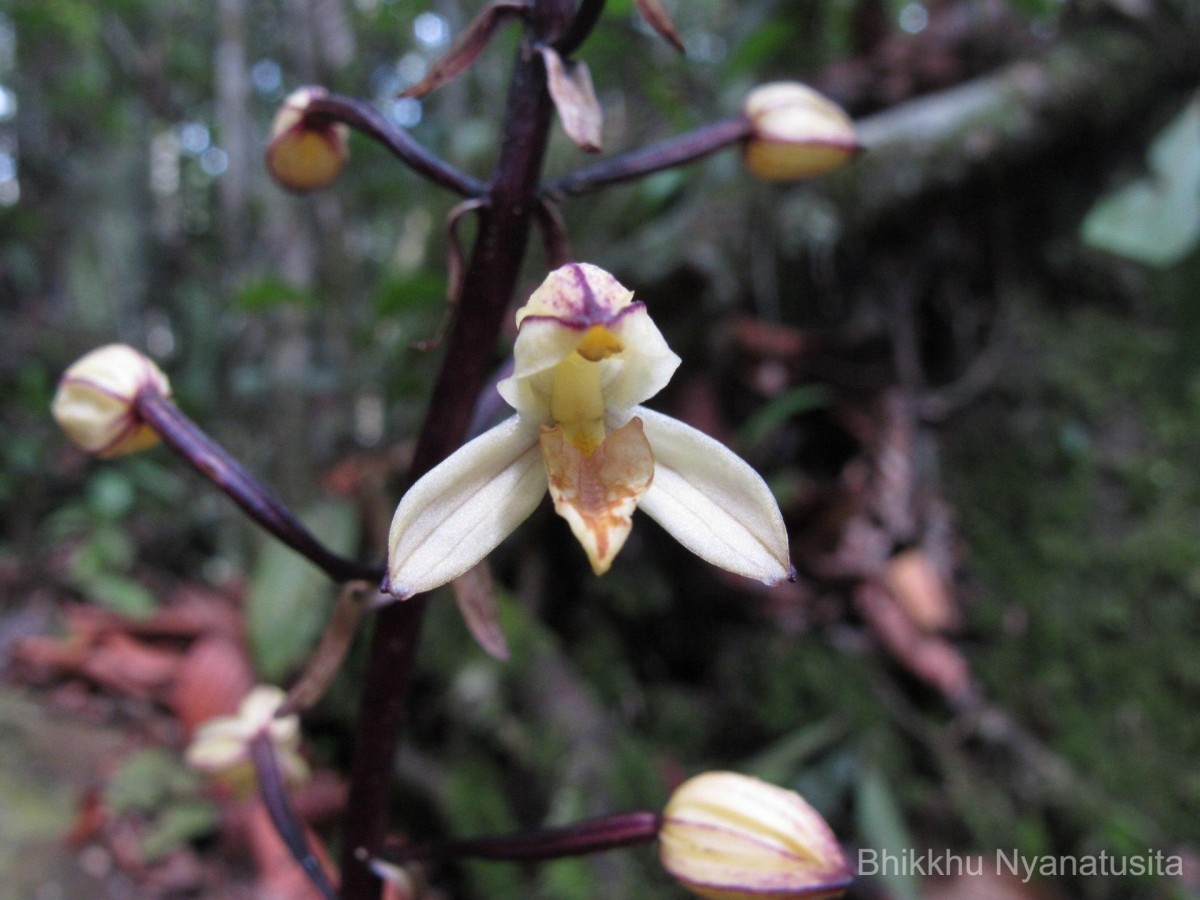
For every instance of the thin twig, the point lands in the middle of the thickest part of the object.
(577, 839)
(365, 118)
(279, 806)
(219, 466)
(668, 154)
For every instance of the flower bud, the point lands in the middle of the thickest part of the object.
(797, 133)
(726, 836)
(304, 155)
(94, 404)
(221, 746)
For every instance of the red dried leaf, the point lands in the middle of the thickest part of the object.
(467, 48)
(920, 591)
(323, 664)
(656, 17)
(128, 666)
(574, 97)
(213, 678)
(476, 595)
(930, 658)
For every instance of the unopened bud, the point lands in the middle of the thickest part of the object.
(726, 836)
(797, 133)
(94, 404)
(303, 155)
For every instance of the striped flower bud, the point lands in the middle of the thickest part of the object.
(304, 155)
(94, 404)
(726, 836)
(797, 133)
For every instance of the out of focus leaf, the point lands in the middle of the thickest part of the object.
(121, 595)
(179, 823)
(882, 829)
(467, 48)
(781, 408)
(1156, 219)
(147, 780)
(289, 598)
(574, 97)
(779, 762)
(268, 293)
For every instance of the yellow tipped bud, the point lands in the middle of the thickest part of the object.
(797, 133)
(94, 402)
(303, 156)
(731, 837)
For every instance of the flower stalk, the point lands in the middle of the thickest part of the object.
(671, 153)
(367, 120)
(220, 467)
(576, 839)
(488, 285)
(273, 790)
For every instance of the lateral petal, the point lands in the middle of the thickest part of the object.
(598, 493)
(711, 501)
(462, 509)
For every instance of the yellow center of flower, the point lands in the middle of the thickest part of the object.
(577, 396)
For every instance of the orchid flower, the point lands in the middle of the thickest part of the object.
(586, 356)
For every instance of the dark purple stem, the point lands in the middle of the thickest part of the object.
(585, 20)
(365, 118)
(216, 464)
(488, 286)
(668, 154)
(287, 824)
(592, 836)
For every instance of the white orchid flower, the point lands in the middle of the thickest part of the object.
(586, 356)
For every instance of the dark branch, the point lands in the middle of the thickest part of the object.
(668, 154)
(366, 119)
(591, 836)
(216, 464)
(585, 20)
(288, 826)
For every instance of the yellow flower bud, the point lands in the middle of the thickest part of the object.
(303, 156)
(94, 402)
(731, 837)
(797, 133)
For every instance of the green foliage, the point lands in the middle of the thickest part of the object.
(1080, 534)
(155, 785)
(289, 598)
(1156, 219)
(881, 827)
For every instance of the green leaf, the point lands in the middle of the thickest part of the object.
(781, 408)
(268, 293)
(121, 595)
(882, 827)
(289, 598)
(179, 823)
(781, 760)
(148, 780)
(1155, 220)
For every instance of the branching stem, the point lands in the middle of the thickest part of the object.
(216, 464)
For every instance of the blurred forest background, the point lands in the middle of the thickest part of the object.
(968, 364)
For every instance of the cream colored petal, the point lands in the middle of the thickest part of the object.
(541, 345)
(645, 366)
(578, 292)
(597, 494)
(218, 745)
(713, 502)
(463, 508)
